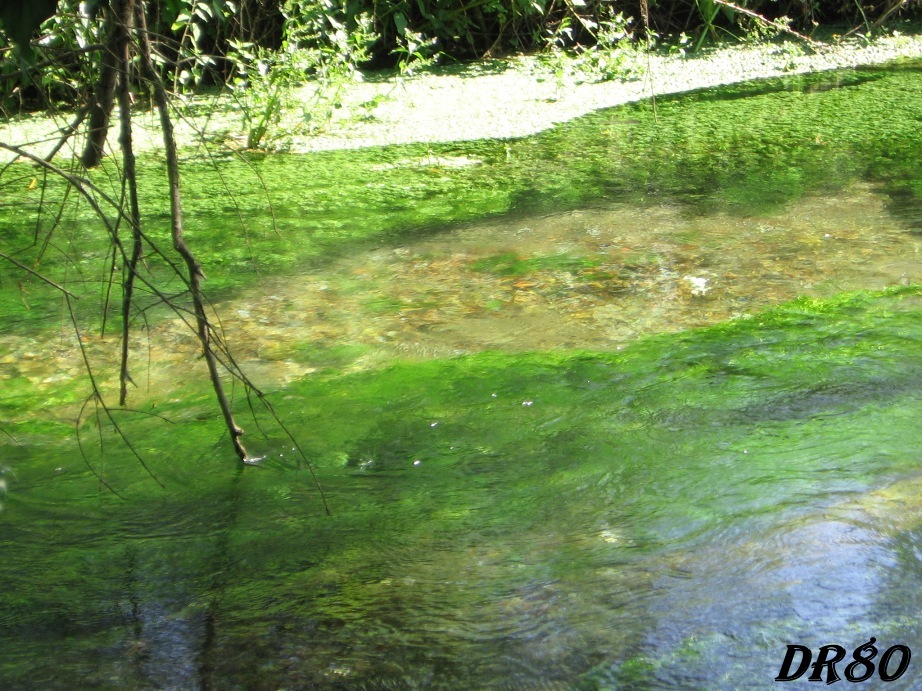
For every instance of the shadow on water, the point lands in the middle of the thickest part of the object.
(612, 439)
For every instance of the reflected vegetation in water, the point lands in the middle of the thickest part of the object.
(572, 441)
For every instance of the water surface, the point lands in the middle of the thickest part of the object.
(618, 406)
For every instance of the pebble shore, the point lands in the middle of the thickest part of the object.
(493, 99)
(522, 99)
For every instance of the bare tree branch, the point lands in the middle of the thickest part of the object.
(195, 275)
(781, 26)
(39, 276)
(129, 176)
(97, 395)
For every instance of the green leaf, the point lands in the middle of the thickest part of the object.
(204, 11)
(20, 19)
(400, 22)
(182, 19)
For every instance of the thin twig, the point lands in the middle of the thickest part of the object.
(87, 189)
(86, 460)
(194, 274)
(67, 132)
(97, 393)
(38, 275)
(94, 48)
(12, 438)
(776, 24)
(307, 463)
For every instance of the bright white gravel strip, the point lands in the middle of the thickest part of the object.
(522, 99)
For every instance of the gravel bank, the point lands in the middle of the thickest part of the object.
(525, 99)
(498, 99)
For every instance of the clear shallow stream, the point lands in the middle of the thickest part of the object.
(638, 423)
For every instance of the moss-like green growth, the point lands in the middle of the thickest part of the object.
(530, 490)
(576, 462)
(557, 518)
(747, 149)
(511, 264)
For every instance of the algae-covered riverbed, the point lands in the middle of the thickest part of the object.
(633, 403)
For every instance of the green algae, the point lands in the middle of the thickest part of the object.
(746, 149)
(547, 470)
(511, 264)
(535, 507)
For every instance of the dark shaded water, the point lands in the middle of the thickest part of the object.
(541, 474)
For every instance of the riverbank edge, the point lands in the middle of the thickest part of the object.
(495, 99)
(525, 98)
